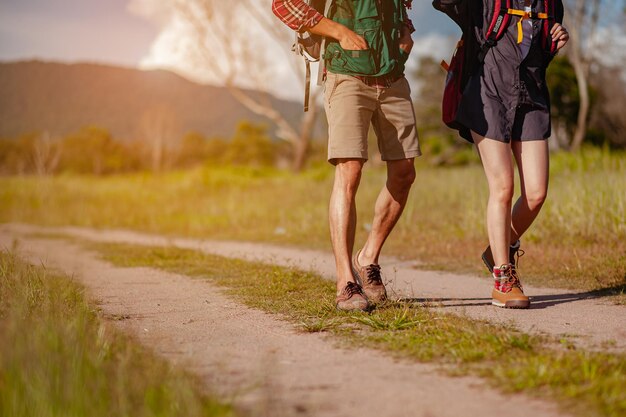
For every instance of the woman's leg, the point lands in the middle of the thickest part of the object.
(498, 166)
(532, 158)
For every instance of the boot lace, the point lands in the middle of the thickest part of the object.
(509, 280)
(373, 274)
(351, 289)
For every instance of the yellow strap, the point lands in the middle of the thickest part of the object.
(523, 16)
(520, 29)
(516, 12)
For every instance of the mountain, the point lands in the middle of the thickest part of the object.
(62, 98)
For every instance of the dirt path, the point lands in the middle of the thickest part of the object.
(589, 321)
(255, 359)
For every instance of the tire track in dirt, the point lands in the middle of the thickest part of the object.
(256, 360)
(587, 320)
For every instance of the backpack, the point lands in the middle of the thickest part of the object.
(311, 48)
(468, 55)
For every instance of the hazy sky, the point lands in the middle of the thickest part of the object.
(74, 30)
(103, 30)
(143, 33)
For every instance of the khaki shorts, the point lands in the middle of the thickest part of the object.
(351, 106)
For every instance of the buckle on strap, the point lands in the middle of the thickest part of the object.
(523, 16)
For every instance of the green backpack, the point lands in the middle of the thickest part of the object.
(379, 22)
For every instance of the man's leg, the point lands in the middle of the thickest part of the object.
(342, 216)
(389, 206)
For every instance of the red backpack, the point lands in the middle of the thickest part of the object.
(468, 56)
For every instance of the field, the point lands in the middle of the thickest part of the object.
(578, 241)
(72, 359)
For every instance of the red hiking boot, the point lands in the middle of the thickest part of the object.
(507, 291)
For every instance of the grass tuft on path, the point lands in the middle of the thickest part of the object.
(59, 358)
(591, 384)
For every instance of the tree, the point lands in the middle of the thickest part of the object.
(45, 154)
(607, 122)
(159, 130)
(34, 153)
(565, 98)
(250, 146)
(92, 150)
(582, 19)
(226, 43)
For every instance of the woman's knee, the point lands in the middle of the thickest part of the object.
(501, 191)
(535, 198)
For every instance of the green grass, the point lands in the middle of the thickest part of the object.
(59, 358)
(578, 241)
(589, 383)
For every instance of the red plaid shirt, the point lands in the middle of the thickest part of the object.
(296, 14)
(300, 16)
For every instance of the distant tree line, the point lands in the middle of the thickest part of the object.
(93, 150)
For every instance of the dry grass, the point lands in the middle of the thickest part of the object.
(579, 240)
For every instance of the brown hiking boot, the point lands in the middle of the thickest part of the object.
(370, 279)
(507, 291)
(351, 298)
(514, 254)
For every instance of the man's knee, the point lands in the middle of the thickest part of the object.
(401, 174)
(348, 173)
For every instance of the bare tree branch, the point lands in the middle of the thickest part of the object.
(229, 52)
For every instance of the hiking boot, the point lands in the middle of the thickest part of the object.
(351, 298)
(507, 291)
(514, 254)
(370, 279)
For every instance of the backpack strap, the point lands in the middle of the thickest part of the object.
(322, 65)
(497, 27)
(548, 44)
(307, 85)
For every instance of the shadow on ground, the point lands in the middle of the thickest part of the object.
(537, 301)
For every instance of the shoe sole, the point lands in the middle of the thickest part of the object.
(512, 304)
(368, 308)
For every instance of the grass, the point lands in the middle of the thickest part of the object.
(59, 358)
(588, 383)
(578, 241)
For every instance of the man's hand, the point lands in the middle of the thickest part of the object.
(406, 42)
(351, 41)
(559, 35)
(347, 38)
